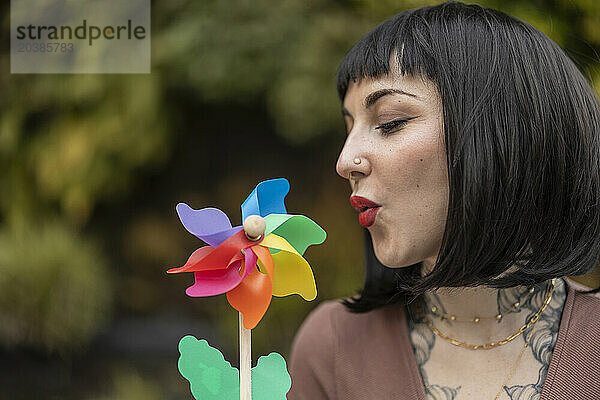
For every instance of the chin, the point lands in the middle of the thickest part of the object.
(385, 254)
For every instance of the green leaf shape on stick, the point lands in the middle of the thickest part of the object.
(211, 377)
(270, 378)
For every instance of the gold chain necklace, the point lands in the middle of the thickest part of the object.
(513, 369)
(491, 345)
(531, 323)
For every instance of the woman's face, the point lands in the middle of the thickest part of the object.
(395, 129)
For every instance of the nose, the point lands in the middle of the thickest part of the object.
(353, 162)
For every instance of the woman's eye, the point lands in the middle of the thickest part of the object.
(389, 127)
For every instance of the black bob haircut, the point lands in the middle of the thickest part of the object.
(522, 140)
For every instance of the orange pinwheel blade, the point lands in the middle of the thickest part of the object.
(265, 257)
(252, 296)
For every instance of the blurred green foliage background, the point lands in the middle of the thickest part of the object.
(92, 166)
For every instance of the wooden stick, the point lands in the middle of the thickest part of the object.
(245, 361)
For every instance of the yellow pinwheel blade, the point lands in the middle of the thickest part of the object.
(273, 241)
(292, 273)
(293, 276)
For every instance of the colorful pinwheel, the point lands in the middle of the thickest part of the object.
(251, 268)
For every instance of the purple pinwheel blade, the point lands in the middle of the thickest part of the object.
(219, 237)
(210, 225)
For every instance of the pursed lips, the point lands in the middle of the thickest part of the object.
(367, 210)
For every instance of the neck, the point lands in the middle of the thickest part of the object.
(514, 305)
(481, 301)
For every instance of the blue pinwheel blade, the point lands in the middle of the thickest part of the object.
(266, 198)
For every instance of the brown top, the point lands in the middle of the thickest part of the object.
(342, 355)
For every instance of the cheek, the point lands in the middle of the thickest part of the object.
(416, 180)
(419, 164)
(417, 184)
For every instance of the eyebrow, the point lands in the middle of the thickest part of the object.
(376, 95)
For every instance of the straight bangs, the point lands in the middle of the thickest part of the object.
(371, 56)
(522, 140)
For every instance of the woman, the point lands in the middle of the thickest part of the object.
(473, 157)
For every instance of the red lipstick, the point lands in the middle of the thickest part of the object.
(367, 210)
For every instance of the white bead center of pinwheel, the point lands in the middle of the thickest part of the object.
(254, 226)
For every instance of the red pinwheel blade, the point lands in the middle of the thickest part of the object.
(217, 258)
(196, 257)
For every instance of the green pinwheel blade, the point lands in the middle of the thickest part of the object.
(270, 378)
(210, 376)
(299, 230)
